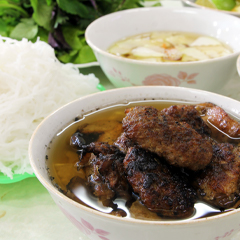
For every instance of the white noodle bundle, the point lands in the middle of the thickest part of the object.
(33, 83)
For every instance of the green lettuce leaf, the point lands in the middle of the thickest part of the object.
(4, 4)
(85, 55)
(73, 36)
(42, 13)
(27, 28)
(74, 7)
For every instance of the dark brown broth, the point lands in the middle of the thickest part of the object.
(62, 158)
(61, 153)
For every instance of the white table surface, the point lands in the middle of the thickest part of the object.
(26, 208)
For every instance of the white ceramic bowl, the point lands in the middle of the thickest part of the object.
(207, 75)
(102, 226)
(191, 3)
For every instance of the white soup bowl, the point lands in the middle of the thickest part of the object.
(98, 225)
(208, 75)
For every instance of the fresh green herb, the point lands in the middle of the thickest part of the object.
(61, 23)
(27, 28)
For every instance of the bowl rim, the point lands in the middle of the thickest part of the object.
(172, 9)
(56, 192)
(238, 65)
(193, 4)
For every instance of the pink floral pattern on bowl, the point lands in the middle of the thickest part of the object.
(168, 80)
(86, 227)
(118, 74)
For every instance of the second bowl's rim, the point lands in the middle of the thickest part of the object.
(238, 65)
(193, 4)
(172, 9)
(55, 191)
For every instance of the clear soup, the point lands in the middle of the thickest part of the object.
(170, 47)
